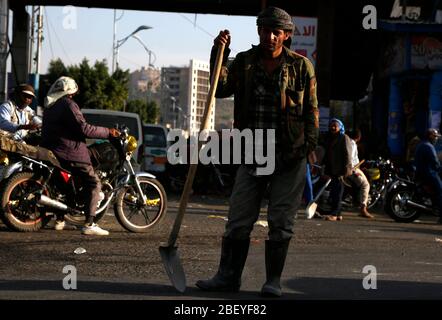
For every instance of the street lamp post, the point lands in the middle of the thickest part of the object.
(149, 52)
(122, 41)
(174, 112)
(183, 116)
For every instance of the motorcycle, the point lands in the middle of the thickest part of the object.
(39, 187)
(380, 173)
(10, 163)
(407, 200)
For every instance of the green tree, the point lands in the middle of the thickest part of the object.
(98, 89)
(149, 112)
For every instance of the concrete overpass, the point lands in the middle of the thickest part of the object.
(343, 46)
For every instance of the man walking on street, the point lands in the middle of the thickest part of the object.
(274, 89)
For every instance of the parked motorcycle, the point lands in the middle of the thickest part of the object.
(407, 200)
(380, 173)
(40, 188)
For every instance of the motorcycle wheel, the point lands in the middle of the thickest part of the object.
(19, 210)
(396, 207)
(134, 215)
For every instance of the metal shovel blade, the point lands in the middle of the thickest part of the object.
(173, 266)
(311, 209)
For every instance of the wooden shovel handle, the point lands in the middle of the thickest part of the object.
(192, 168)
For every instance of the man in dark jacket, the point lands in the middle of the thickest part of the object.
(337, 162)
(428, 167)
(64, 131)
(274, 90)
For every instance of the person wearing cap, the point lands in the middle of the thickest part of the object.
(274, 89)
(64, 132)
(428, 168)
(16, 117)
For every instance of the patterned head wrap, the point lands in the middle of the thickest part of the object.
(61, 87)
(275, 18)
(341, 125)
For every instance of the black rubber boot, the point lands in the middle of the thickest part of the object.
(276, 252)
(228, 278)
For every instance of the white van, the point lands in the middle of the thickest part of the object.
(155, 148)
(108, 119)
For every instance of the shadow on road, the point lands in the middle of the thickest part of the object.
(299, 289)
(350, 289)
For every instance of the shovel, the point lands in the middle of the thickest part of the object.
(311, 207)
(169, 253)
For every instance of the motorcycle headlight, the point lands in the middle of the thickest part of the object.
(131, 144)
(4, 160)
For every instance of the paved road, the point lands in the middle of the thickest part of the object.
(325, 261)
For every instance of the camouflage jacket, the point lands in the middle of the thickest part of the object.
(299, 104)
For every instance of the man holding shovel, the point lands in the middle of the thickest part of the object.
(274, 89)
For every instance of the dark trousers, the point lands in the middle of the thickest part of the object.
(336, 192)
(436, 184)
(85, 176)
(285, 188)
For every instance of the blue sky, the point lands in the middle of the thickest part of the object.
(174, 38)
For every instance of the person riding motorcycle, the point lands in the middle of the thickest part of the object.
(64, 132)
(16, 117)
(428, 167)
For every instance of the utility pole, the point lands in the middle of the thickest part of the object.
(39, 39)
(4, 47)
(34, 74)
(114, 42)
(32, 41)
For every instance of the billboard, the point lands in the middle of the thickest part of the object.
(304, 37)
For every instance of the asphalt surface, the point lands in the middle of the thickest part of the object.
(326, 260)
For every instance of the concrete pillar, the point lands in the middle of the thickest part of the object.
(435, 104)
(20, 44)
(326, 21)
(4, 47)
(395, 119)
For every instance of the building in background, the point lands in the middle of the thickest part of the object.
(199, 85)
(184, 93)
(144, 85)
(174, 96)
(408, 77)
